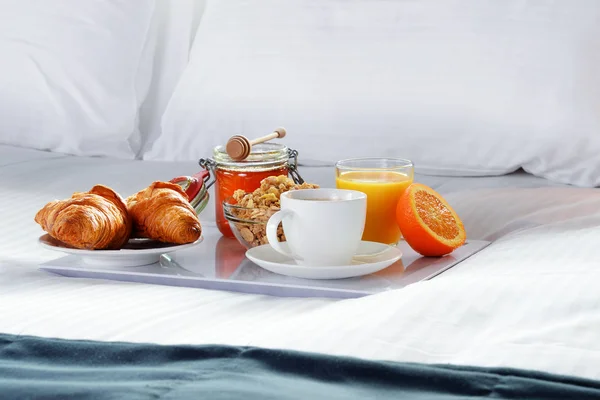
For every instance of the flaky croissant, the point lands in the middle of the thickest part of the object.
(163, 212)
(92, 220)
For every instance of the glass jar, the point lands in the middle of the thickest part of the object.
(265, 159)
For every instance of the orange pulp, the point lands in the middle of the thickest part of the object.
(429, 224)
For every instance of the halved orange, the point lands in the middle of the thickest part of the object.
(428, 223)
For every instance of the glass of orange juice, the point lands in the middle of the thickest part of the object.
(383, 180)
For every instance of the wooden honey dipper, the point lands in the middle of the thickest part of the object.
(239, 147)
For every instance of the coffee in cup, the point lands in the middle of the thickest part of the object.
(323, 227)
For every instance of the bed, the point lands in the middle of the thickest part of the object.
(528, 302)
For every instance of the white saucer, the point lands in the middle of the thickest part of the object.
(135, 253)
(370, 257)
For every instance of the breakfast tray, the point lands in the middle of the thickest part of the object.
(219, 263)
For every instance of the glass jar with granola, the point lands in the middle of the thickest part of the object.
(265, 159)
(248, 212)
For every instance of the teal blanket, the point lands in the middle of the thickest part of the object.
(32, 367)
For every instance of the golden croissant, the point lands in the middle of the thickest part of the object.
(163, 212)
(93, 220)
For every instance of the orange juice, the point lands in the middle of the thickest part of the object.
(383, 190)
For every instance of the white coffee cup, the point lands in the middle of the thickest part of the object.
(322, 226)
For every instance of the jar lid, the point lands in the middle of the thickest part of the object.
(261, 155)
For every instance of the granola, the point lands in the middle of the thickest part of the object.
(260, 205)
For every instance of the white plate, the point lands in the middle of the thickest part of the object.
(370, 257)
(135, 253)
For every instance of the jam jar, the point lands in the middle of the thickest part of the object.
(265, 159)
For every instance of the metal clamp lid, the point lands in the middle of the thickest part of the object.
(293, 167)
(210, 165)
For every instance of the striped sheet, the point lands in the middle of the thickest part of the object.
(530, 300)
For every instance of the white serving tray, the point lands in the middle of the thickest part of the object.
(220, 264)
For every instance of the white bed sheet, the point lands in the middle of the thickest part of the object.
(530, 300)
(14, 155)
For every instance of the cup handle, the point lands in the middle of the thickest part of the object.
(272, 226)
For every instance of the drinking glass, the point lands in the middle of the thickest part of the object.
(383, 180)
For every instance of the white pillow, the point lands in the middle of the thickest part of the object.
(73, 74)
(174, 26)
(467, 87)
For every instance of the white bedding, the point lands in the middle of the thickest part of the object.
(489, 85)
(530, 300)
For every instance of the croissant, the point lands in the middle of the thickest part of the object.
(92, 220)
(163, 212)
